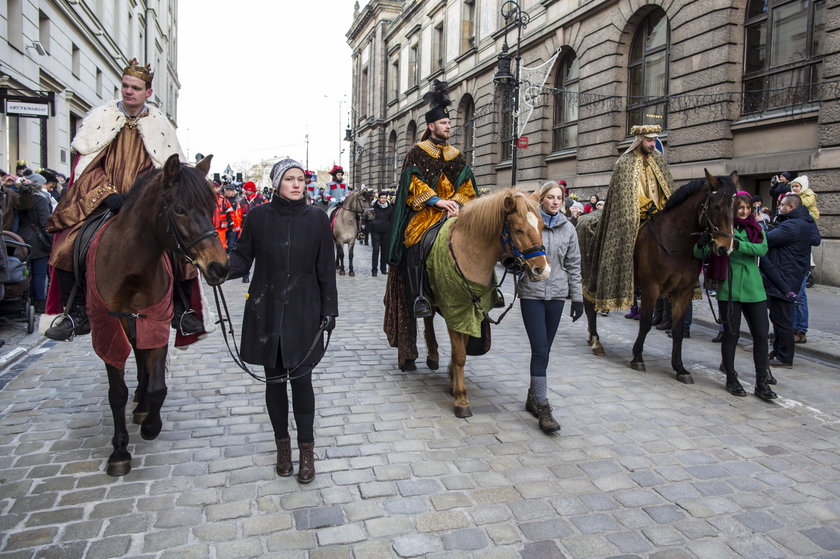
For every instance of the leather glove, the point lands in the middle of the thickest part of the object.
(735, 244)
(577, 310)
(114, 202)
(328, 323)
(705, 239)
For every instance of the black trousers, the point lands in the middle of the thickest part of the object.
(379, 242)
(781, 315)
(303, 405)
(756, 316)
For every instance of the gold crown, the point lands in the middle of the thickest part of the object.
(135, 70)
(649, 130)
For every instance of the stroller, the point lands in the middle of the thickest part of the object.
(15, 277)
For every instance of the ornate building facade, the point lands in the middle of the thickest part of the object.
(69, 57)
(751, 86)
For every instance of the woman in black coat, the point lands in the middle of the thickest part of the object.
(380, 229)
(292, 294)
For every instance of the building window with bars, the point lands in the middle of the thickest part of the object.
(648, 72)
(783, 47)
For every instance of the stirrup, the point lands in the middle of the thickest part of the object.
(181, 319)
(55, 324)
(422, 307)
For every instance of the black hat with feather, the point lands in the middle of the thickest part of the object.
(438, 100)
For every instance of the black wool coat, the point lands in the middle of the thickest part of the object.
(293, 284)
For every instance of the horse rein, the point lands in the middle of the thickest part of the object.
(183, 246)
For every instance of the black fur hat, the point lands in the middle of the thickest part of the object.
(438, 100)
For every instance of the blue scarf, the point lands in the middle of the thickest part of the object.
(550, 220)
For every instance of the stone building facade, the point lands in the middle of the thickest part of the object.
(751, 86)
(72, 53)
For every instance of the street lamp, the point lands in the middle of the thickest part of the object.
(514, 15)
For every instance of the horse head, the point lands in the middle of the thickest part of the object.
(187, 203)
(522, 236)
(718, 210)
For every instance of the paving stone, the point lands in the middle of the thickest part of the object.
(665, 514)
(545, 529)
(268, 524)
(542, 550)
(414, 505)
(595, 523)
(347, 534)
(238, 549)
(166, 539)
(389, 527)
(629, 542)
(441, 521)
(416, 545)
(468, 539)
(117, 546)
(410, 488)
(309, 519)
(826, 537)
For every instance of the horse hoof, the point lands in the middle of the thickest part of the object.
(139, 417)
(352, 274)
(463, 411)
(599, 351)
(150, 432)
(685, 378)
(117, 469)
(408, 366)
(638, 366)
(432, 364)
(341, 272)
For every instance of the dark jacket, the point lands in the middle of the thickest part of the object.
(789, 250)
(293, 284)
(381, 218)
(34, 210)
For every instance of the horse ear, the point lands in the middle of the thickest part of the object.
(713, 181)
(172, 168)
(736, 180)
(510, 203)
(204, 165)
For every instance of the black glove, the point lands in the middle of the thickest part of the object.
(328, 323)
(577, 310)
(735, 244)
(114, 202)
(705, 239)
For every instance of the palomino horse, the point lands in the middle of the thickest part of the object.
(505, 224)
(345, 227)
(168, 210)
(663, 261)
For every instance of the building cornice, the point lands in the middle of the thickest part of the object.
(376, 9)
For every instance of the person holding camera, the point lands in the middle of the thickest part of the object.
(292, 300)
(780, 185)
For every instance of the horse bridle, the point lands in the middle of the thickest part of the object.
(710, 227)
(184, 247)
(515, 261)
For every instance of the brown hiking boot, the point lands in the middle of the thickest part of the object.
(284, 457)
(531, 404)
(547, 422)
(306, 463)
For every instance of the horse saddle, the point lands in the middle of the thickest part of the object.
(91, 227)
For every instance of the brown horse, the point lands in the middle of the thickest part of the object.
(664, 263)
(168, 210)
(345, 225)
(508, 219)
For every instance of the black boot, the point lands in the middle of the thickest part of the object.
(246, 278)
(187, 322)
(762, 388)
(733, 386)
(770, 378)
(67, 327)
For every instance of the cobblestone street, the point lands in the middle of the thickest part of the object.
(644, 466)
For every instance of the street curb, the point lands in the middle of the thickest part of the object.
(9, 359)
(830, 359)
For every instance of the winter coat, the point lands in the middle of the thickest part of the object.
(747, 285)
(381, 218)
(789, 244)
(293, 284)
(34, 211)
(563, 252)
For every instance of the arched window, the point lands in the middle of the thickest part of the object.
(783, 48)
(410, 135)
(394, 155)
(466, 127)
(566, 102)
(648, 79)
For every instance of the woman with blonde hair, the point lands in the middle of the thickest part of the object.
(542, 302)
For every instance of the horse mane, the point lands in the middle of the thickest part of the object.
(190, 187)
(485, 216)
(690, 188)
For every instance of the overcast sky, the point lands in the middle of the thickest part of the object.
(254, 76)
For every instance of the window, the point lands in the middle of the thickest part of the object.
(411, 135)
(566, 103)
(14, 23)
(414, 65)
(648, 67)
(783, 48)
(438, 47)
(468, 26)
(506, 127)
(98, 82)
(394, 80)
(76, 66)
(44, 30)
(364, 94)
(466, 118)
(394, 155)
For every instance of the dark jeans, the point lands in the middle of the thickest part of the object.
(541, 319)
(379, 241)
(756, 316)
(231, 239)
(39, 278)
(781, 315)
(303, 405)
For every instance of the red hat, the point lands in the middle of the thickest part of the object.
(336, 169)
(249, 186)
(308, 173)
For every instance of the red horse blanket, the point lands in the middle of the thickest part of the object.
(110, 341)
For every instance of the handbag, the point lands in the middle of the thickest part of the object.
(480, 346)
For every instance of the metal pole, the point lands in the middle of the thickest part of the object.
(517, 58)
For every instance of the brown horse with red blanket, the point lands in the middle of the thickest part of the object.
(130, 282)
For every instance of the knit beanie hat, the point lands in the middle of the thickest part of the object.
(801, 180)
(280, 169)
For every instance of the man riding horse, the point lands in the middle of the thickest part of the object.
(116, 143)
(435, 182)
(640, 185)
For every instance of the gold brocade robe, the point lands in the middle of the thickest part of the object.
(113, 171)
